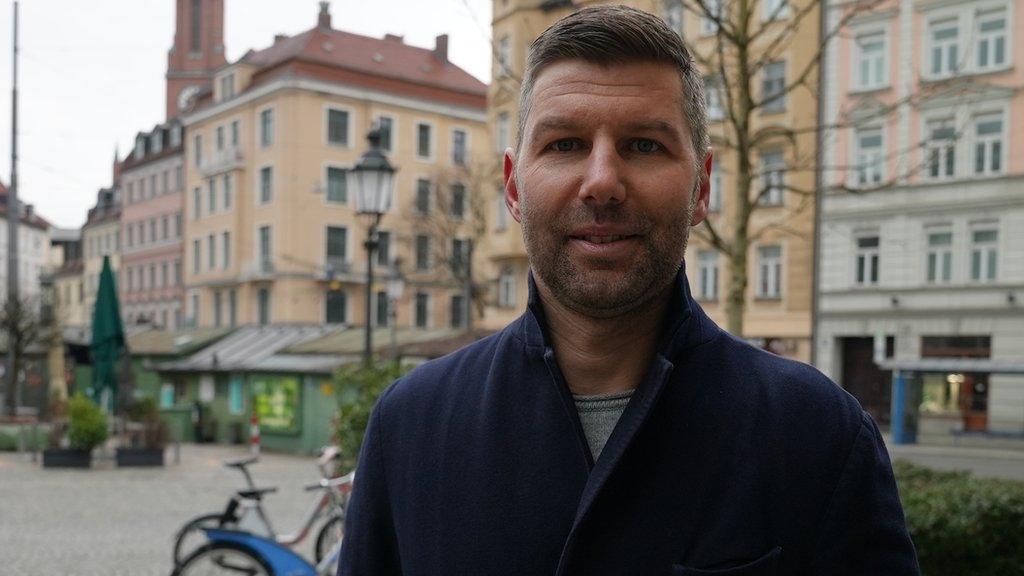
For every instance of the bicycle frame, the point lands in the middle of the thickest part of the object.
(281, 560)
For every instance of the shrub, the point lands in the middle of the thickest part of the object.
(961, 524)
(358, 389)
(87, 425)
(145, 428)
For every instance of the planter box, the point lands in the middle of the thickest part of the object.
(67, 458)
(140, 457)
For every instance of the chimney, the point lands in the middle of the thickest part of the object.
(394, 38)
(441, 48)
(30, 211)
(323, 20)
(279, 37)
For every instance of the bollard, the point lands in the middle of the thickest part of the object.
(254, 434)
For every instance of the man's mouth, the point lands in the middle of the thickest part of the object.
(605, 239)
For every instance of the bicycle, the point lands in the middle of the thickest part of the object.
(240, 552)
(245, 512)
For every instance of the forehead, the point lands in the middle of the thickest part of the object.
(607, 92)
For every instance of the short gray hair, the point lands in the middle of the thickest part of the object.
(613, 35)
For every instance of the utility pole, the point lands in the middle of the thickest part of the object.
(12, 223)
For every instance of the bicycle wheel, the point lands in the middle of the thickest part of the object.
(191, 535)
(332, 531)
(222, 559)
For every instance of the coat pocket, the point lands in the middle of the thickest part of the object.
(764, 566)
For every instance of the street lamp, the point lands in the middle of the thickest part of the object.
(373, 180)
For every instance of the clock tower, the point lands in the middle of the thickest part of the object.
(198, 50)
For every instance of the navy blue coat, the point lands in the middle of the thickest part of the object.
(728, 460)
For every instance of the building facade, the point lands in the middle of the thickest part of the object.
(101, 236)
(33, 249)
(197, 52)
(779, 260)
(152, 228)
(271, 230)
(922, 240)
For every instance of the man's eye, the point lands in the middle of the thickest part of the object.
(566, 145)
(644, 146)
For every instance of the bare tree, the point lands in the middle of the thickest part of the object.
(22, 326)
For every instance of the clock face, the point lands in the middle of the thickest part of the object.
(186, 96)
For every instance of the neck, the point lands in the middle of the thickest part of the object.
(604, 355)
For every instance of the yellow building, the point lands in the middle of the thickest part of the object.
(101, 236)
(778, 297)
(271, 232)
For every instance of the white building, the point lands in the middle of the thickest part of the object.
(33, 249)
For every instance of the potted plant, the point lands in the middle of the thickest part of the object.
(73, 438)
(145, 435)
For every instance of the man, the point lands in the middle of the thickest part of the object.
(613, 428)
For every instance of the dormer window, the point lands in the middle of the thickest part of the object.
(140, 146)
(227, 86)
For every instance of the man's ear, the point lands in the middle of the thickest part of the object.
(511, 189)
(703, 191)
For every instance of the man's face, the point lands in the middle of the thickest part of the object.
(603, 183)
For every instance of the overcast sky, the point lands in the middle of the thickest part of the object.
(91, 75)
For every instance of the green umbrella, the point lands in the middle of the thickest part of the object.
(107, 338)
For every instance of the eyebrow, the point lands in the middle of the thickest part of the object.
(555, 124)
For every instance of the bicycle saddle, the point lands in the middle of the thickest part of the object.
(241, 462)
(257, 493)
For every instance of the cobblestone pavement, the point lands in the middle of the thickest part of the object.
(121, 522)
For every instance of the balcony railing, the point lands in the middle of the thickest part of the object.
(260, 268)
(222, 161)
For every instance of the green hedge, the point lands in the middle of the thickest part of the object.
(962, 525)
(358, 389)
(9, 436)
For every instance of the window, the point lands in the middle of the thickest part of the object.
(227, 86)
(196, 255)
(197, 203)
(216, 308)
(227, 191)
(984, 254)
(990, 50)
(234, 133)
(336, 304)
(941, 149)
(945, 46)
(869, 161)
(165, 280)
(988, 144)
(131, 279)
(142, 189)
(503, 139)
(458, 207)
(707, 275)
(424, 148)
(195, 309)
(232, 308)
(940, 257)
(458, 311)
(422, 252)
(236, 397)
(131, 192)
(220, 138)
(211, 194)
(769, 272)
(422, 310)
(422, 196)
(716, 185)
(461, 252)
(385, 126)
(773, 87)
(709, 26)
(507, 288)
(165, 181)
(337, 246)
(337, 127)
(177, 272)
(152, 230)
(337, 185)
(870, 67)
(867, 261)
(211, 252)
(196, 23)
(175, 139)
(504, 56)
(382, 308)
(266, 184)
(383, 248)
(131, 235)
(177, 225)
(226, 248)
(775, 9)
(267, 127)
(263, 306)
(164, 232)
(459, 147)
(264, 246)
(674, 16)
(179, 175)
(197, 149)
(152, 185)
(713, 98)
(772, 179)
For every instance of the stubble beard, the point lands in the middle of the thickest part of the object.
(597, 288)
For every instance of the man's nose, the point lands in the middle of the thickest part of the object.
(602, 179)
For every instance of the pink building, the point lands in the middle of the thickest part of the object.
(152, 184)
(922, 218)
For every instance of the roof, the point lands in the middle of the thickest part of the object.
(34, 220)
(247, 348)
(388, 57)
(152, 342)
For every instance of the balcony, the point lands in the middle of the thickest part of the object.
(221, 161)
(258, 269)
(340, 270)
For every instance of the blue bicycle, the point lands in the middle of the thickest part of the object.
(239, 552)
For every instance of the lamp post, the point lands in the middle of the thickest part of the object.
(373, 180)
